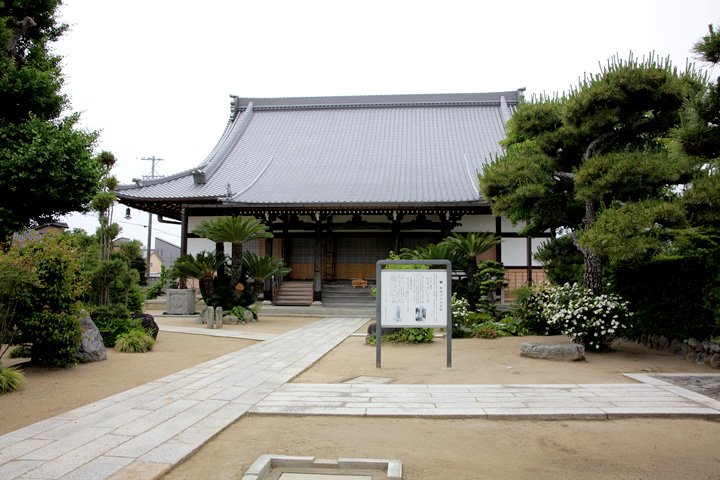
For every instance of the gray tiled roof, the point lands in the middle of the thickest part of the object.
(396, 149)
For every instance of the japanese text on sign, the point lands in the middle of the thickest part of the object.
(414, 298)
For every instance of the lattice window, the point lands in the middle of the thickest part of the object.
(252, 246)
(302, 250)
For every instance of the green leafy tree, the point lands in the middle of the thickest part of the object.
(18, 277)
(48, 319)
(46, 163)
(595, 161)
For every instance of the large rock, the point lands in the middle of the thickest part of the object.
(91, 347)
(550, 351)
(248, 317)
(147, 321)
(230, 320)
(385, 330)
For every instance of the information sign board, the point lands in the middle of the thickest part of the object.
(414, 298)
(409, 298)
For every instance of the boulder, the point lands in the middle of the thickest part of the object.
(91, 347)
(676, 345)
(147, 321)
(385, 331)
(248, 317)
(230, 320)
(550, 351)
(715, 361)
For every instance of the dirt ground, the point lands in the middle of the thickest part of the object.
(641, 448)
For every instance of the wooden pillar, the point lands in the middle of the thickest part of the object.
(183, 239)
(267, 284)
(318, 257)
(529, 259)
(498, 247)
(396, 237)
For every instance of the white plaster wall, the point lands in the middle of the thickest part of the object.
(507, 226)
(514, 251)
(197, 245)
(476, 223)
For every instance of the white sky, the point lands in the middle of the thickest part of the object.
(155, 76)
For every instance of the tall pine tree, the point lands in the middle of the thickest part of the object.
(597, 156)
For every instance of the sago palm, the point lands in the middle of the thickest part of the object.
(471, 246)
(236, 231)
(260, 268)
(434, 252)
(201, 266)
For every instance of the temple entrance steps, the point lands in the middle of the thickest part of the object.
(295, 293)
(342, 293)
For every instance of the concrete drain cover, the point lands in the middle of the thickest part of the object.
(322, 476)
(367, 379)
(285, 467)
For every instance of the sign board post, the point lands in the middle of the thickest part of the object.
(413, 299)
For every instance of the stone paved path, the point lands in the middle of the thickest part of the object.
(591, 401)
(144, 432)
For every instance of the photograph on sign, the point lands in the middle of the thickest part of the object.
(414, 298)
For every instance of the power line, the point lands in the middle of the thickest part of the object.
(152, 176)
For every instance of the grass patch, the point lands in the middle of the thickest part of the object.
(11, 379)
(20, 351)
(137, 340)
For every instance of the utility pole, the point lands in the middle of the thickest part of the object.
(152, 176)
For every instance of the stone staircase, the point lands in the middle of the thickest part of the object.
(341, 293)
(295, 293)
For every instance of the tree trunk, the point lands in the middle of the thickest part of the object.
(592, 279)
(236, 267)
(206, 287)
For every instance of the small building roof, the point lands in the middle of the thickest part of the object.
(381, 150)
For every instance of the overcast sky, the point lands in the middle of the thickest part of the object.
(155, 76)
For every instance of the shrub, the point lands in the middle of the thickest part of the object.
(137, 340)
(676, 294)
(461, 321)
(407, 335)
(486, 332)
(11, 379)
(529, 309)
(49, 318)
(112, 321)
(237, 311)
(20, 351)
(593, 320)
(157, 288)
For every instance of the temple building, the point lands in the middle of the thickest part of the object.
(342, 181)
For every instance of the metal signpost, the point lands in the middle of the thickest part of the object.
(413, 298)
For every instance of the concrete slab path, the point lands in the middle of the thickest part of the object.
(142, 433)
(572, 401)
(145, 431)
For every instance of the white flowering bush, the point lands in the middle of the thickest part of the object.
(460, 316)
(591, 320)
